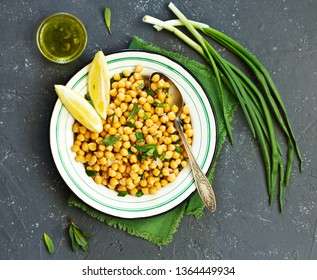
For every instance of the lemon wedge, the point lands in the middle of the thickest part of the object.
(99, 84)
(79, 108)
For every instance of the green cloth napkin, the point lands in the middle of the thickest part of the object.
(160, 229)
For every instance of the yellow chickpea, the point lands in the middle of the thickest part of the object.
(156, 78)
(133, 191)
(171, 115)
(112, 131)
(98, 179)
(145, 190)
(75, 127)
(80, 158)
(138, 68)
(80, 137)
(113, 181)
(75, 148)
(153, 190)
(189, 132)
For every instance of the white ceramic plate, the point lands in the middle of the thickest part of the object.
(100, 197)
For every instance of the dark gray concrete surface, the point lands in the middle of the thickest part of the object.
(33, 196)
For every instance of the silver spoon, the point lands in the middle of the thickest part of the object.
(201, 181)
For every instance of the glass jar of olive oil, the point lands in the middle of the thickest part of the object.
(61, 38)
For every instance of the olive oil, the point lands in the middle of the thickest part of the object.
(61, 38)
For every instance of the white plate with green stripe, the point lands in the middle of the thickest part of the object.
(106, 200)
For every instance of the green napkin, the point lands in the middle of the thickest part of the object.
(160, 229)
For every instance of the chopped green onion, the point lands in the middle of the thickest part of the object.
(256, 104)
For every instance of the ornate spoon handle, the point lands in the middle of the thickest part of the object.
(201, 181)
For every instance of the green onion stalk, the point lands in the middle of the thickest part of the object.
(257, 104)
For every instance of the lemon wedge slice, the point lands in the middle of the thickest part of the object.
(79, 108)
(99, 84)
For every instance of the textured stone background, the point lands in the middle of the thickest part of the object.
(33, 196)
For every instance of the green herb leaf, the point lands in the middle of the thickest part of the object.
(80, 239)
(140, 157)
(139, 86)
(107, 16)
(139, 136)
(75, 245)
(136, 108)
(87, 97)
(139, 193)
(179, 149)
(146, 116)
(146, 148)
(146, 151)
(155, 155)
(49, 243)
(150, 92)
(158, 104)
(123, 193)
(90, 173)
(77, 236)
(111, 117)
(110, 140)
(162, 155)
(130, 124)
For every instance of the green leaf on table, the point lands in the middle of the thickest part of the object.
(78, 237)
(107, 15)
(49, 243)
(75, 245)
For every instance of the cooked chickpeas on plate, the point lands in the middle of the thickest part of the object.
(138, 151)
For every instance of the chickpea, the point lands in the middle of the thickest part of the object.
(98, 179)
(75, 127)
(75, 148)
(138, 68)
